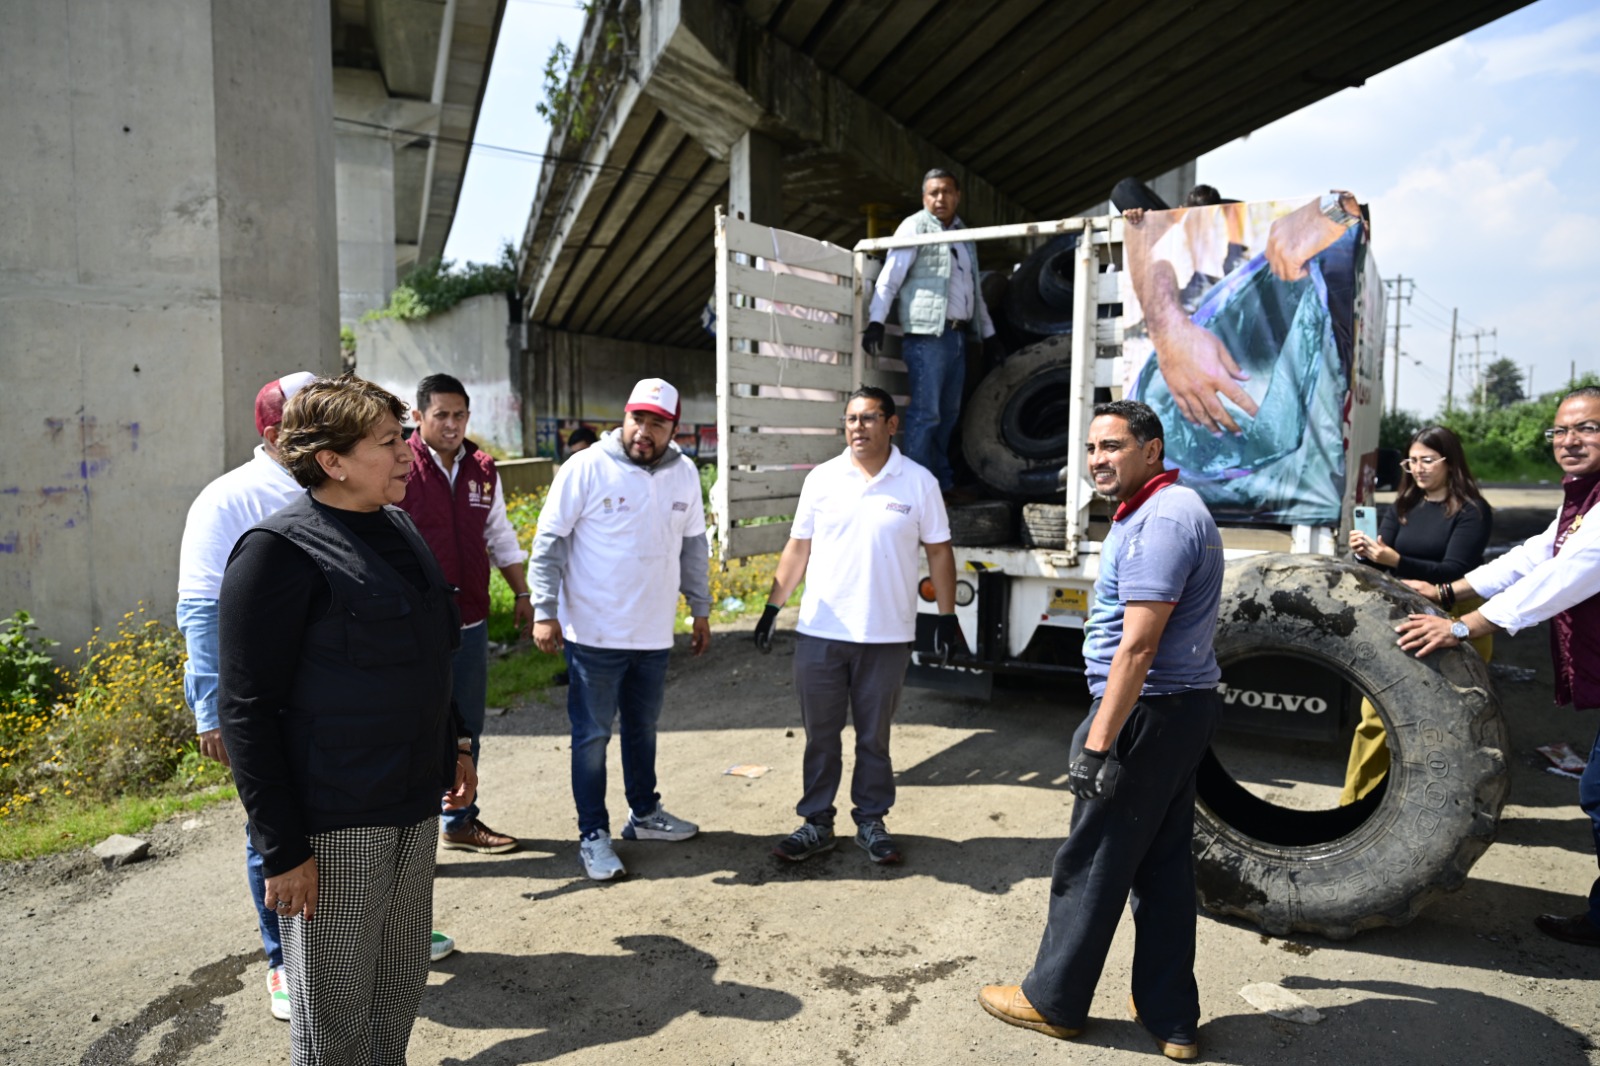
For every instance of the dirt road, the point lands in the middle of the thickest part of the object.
(709, 953)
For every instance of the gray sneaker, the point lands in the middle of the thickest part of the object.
(658, 825)
(875, 840)
(805, 842)
(600, 862)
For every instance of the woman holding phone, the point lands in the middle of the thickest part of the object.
(1435, 533)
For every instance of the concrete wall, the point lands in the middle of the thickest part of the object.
(469, 342)
(167, 246)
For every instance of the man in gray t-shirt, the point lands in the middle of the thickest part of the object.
(1148, 653)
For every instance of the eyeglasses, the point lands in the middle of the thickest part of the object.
(1582, 429)
(869, 419)
(1421, 462)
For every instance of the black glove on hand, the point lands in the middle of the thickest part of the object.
(764, 629)
(994, 349)
(1085, 772)
(872, 338)
(946, 637)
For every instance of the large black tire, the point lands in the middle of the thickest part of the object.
(1381, 861)
(1014, 431)
(978, 524)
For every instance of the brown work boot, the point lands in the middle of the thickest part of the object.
(480, 838)
(1007, 1003)
(1182, 1050)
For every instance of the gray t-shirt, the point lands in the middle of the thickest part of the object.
(1168, 551)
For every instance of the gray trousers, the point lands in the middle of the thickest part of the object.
(835, 679)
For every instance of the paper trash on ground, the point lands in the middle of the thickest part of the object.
(1280, 1003)
(746, 769)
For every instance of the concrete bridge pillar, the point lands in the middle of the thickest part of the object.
(167, 246)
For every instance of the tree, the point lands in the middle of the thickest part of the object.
(1502, 384)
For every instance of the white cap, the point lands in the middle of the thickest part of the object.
(657, 397)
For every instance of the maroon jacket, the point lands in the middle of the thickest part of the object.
(453, 522)
(1577, 662)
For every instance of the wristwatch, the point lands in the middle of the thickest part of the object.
(1459, 630)
(1333, 209)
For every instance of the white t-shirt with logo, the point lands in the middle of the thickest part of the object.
(866, 535)
(626, 528)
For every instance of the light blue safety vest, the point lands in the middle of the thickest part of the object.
(923, 294)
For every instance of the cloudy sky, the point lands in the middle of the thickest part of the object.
(1479, 159)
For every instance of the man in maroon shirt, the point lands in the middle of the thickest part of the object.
(454, 497)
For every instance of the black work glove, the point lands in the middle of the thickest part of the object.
(872, 338)
(994, 349)
(764, 629)
(946, 637)
(1087, 775)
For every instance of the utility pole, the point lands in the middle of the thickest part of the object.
(1400, 282)
(1450, 387)
(1477, 336)
(1530, 381)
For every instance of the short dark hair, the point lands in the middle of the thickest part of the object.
(1582, 392)
(1202, 196)
(330, 414)
(435, 384)
(872, 392)
(581, 435)
(938, 172)
(1143, 422)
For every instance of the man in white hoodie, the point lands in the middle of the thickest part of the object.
(622, 532)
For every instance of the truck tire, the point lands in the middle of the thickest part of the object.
(1044, 525)
(1014, 429)
(1382, 860)
(974, 525)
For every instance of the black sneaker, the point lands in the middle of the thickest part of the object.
(878, 844)
(805, 842)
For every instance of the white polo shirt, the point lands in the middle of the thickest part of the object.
(219, 516)
(865, 534)
(626, 527)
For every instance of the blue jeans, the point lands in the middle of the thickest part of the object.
(1589, 800)
(938, 367)
(197, 621)
(604, 684)
(469, 668)
(266, 917)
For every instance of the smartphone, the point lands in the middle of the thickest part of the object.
(1366, 519)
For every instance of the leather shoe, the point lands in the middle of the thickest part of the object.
(1007, 1003)
(1577, 929)
(480, 838)
(1173, 1049)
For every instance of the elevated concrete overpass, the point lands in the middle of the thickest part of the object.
(821, 116)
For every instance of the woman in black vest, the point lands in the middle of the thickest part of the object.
(336, 630)
(1435, 532)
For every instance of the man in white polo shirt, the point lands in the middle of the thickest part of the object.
(856, 532)
(221, 513)
(622, 532)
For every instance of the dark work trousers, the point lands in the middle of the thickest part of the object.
(1138, 842)
(835, 678)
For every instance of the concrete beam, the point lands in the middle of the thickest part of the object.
(718, 75)
(405, 34)
(755, 179)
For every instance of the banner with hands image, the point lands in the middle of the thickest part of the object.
(1240, 335)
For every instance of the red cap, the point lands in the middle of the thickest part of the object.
(657, 397)
(274, 394)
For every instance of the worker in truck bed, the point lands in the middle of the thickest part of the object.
(940, 303)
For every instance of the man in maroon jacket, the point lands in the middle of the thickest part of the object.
(454, 496)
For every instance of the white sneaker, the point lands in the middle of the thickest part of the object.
(440, 946)
(658, 825)
(600, 862)
(278, 993)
